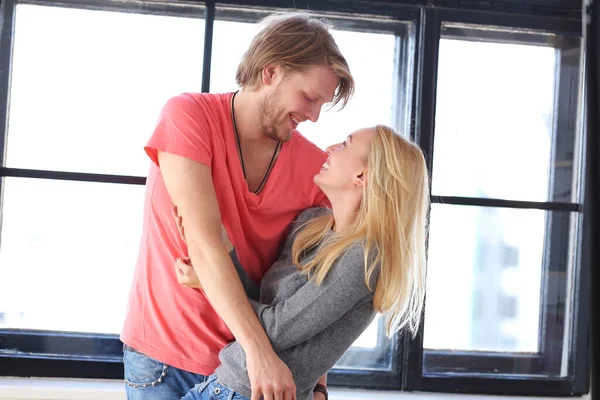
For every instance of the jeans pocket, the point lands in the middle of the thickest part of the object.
(218, 391)
(142, 371)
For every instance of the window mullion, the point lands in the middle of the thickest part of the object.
(424, 97)
(208, 42)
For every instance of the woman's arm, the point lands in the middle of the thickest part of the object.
(314, 307)
(311, 308)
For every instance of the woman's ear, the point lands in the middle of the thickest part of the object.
(360, 179)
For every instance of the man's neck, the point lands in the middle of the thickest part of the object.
(247, 117)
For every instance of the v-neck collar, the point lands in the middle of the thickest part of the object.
(252, 198)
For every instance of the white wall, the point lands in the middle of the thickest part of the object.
(87, 389)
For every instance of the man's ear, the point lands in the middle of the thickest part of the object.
(268, 74)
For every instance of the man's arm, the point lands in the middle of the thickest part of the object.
(190, 186)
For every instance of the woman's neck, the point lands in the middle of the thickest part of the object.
(344, 210)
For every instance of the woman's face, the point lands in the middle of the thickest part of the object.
(345, 167)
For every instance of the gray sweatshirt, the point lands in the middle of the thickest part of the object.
(310, 326)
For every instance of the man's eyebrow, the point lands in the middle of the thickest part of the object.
(319, 96)
(349, 138)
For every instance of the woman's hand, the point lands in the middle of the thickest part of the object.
(179, 222)
(186, 276)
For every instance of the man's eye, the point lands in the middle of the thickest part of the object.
(309, 99)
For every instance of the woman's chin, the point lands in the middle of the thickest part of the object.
(319, 179)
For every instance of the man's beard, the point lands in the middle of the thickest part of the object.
(270, 110)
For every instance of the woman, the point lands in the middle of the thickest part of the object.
(340, 267)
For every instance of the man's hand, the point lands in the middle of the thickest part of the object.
(269, 377)
(186, 275)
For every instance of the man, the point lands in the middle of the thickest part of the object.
(232, 160)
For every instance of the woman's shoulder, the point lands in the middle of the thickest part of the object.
(311, 213)
(306, 216)
(354, 258)
(299, 223)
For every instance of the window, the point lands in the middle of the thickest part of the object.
(491, 92)
(99, 227)
(82, 98)
(505, 217)
(76, 96)
(86, 101)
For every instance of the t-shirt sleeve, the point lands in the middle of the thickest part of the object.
(182, 129)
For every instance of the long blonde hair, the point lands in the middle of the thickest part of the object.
(392, 224)
(295, 41)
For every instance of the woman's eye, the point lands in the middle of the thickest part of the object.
(343, 144)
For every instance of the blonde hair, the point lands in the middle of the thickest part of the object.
(391, 223)
(295, 41)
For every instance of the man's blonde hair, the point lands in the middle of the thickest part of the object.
(295, 41)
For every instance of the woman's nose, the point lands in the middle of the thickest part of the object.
(331, 148)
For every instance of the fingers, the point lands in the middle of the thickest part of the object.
(269, 396)
(178, 221)
(182, 269)
(288, 394)
(183, 266)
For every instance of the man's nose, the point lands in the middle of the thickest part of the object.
(313, 113)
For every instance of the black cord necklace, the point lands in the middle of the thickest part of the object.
(239, 148)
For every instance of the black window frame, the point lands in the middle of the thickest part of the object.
(485, 369)
(73, 355)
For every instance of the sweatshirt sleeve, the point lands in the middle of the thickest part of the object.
(314, 307)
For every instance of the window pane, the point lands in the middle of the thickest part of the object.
(67, 254)
(371, 60)
(227, 51)
(495, 120)
(372, 350)
(487, 270)
(87, 86)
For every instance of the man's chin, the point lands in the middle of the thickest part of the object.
(284, 136)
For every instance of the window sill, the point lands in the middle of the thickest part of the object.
(87, 389)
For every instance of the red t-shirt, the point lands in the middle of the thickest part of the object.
(175, 324)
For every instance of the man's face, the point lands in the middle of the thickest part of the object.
(294, 97)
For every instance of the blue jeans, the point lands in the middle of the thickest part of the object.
(150, 379)
(212, 390)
